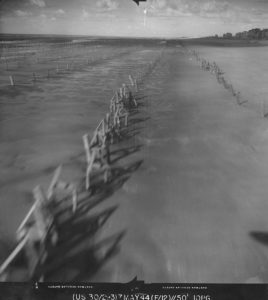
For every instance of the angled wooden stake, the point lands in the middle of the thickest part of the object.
(136, 86)
(24, 221)
(74, 200)
(11, 80)
(54, 182)
(131, 80)
(86, 146)
(13, 254)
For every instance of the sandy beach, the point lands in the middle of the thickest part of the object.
(191, 203)
(195, 209)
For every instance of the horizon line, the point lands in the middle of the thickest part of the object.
(101, 36)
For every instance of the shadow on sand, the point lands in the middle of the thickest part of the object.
(79, 254)
(81, 250)
(260, 236)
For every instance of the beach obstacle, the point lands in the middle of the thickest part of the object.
(136, 85)
(97, 149)
(131, 80)
(11, 79)
(6, 264)
(59, 189)
(216, 70)
(95, 158)
(36, 231)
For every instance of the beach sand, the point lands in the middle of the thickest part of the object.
(195, 211)
(192, 206)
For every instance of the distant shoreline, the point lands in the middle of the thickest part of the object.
(221, 42)
(206, 41)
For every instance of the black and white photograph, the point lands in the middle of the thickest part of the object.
(134, 143)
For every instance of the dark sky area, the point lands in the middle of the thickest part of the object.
(154, 18)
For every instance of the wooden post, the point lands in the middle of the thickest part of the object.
(12, 83)
(40, 221)
(111, 106)
(95, 139)
(121, 92)
(107, 123)
(134, 101)
(54, 182)
(74, 200)
(20, 234)
(131, 80)
(39, 195)
(124, 88)
(103, 128)
(126, 119)
(86, 146)
(13, 254)
(136, 85)
(43, 218)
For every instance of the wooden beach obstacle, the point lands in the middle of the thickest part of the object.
(59, 190)
(4, 268)
(131, 80)
(11, 79)
(36, 233)
(97, 160)
(97, 149)
(216, 70)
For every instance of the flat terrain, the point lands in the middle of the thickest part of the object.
(195, 211)
(192, 206)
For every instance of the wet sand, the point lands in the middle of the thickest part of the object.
(193, 206)
(195, 211)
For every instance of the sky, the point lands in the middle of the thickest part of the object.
(154, 18)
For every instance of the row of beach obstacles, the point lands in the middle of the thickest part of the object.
(49, 52)
(216, 70)
(38, 233)
(58, 69)
(108, 130)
